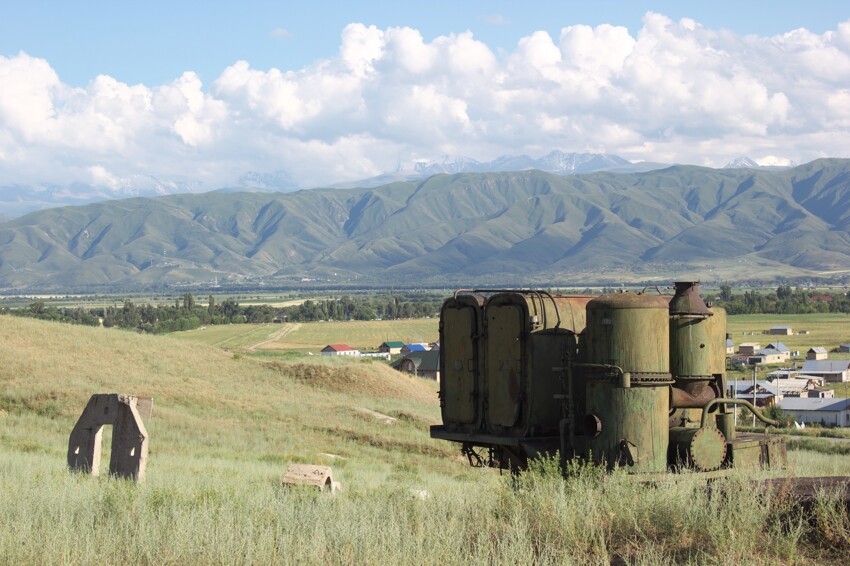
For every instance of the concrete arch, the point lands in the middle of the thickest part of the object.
(129, 436)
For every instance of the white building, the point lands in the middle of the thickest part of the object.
(817, 353)
(339, 350)
(827, 412)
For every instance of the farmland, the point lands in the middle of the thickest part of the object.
(826, 330)
(313, 336)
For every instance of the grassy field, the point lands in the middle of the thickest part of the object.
(827, 330)
(313, 336)
(225, 426)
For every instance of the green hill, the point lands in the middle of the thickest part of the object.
(529, 226)
(204, 396)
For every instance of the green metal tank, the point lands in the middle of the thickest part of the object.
(462, 361)
(529, 337)
(725, 418)
(628, 378)
(690, 343)
(700, 449)
(694, 349)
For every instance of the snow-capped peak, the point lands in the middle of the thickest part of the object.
(742, 162)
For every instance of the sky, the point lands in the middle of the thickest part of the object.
(118, 94)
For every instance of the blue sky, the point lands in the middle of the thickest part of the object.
(155, 41)
(193, 95)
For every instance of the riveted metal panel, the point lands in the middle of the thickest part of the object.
(460, 361)
(717, 340)
(506, 364)
(690, 347)
(627, 427)
(629, 331)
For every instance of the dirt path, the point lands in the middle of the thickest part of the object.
(286, 329)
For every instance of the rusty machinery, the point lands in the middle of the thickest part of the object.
(636, 380)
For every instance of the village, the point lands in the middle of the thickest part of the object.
(793, 381)
(417, 359)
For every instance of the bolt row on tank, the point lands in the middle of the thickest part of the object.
(634, 380)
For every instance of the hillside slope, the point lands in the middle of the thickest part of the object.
(210, 403)
(530, 225)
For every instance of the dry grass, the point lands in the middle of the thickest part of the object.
(359, 334)
(225, 427)
(372, 379)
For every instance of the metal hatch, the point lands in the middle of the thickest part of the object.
(505, 364)
(459, 355)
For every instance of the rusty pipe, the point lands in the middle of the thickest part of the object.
(743, 402)
(694, 395)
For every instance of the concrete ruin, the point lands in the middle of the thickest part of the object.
(129, 437)
(320, 477)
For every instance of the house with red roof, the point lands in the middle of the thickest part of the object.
(339, 350)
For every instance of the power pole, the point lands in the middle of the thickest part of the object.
(754, 392)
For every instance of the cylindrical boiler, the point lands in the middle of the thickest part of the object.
(628, 374)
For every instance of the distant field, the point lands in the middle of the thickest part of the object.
(363, 335)
(230, 336)
(100, 301)
(827, 330)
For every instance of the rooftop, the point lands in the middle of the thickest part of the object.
(826, 366)
(814, 404)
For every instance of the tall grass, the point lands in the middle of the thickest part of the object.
(224, 429)
(242, 515)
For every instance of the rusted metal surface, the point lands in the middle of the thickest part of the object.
(630, 331)
(507, 361)
(461, 361)
(686, 300)
(609, 378)
(691, 395)
(702, 449)
(636, 416)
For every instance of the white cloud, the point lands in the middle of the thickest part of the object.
(674, 91)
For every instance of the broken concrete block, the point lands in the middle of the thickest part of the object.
(309, 474)
(129, 437)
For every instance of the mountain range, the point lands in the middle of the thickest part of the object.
(19, 199)
(526, 227)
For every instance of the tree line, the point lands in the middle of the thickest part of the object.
(784, 300)
(187, 314)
